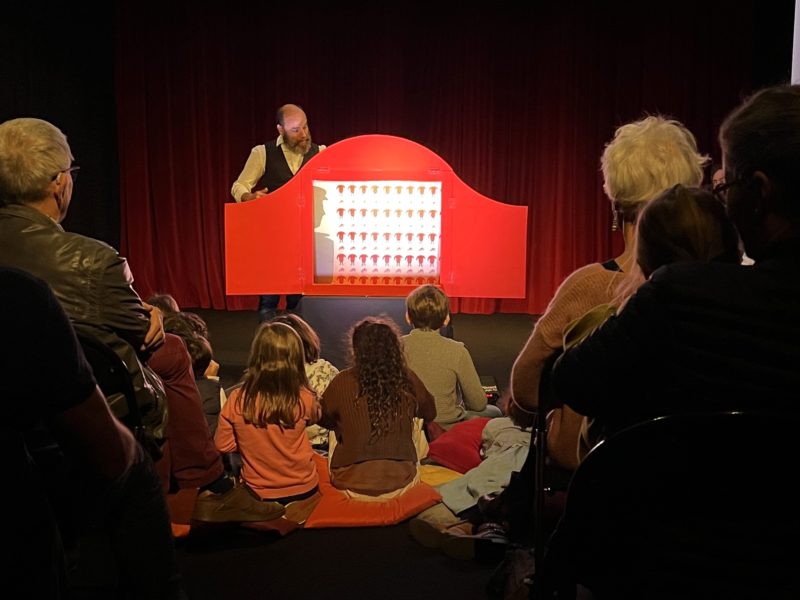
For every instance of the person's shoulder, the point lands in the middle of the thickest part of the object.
(87, 244)
(588, 277)
(703, 273)
(590, 272)
(17, 279)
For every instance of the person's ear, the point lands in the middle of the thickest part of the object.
(57, 189)
(280, 128)
(763, 202)
(447, 320)
(408, 319)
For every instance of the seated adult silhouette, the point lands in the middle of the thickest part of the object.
(95, 287)
(111, 484)
(700, 337)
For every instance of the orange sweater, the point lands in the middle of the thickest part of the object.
(581, 291)
(276, 462)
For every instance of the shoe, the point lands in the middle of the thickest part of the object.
(487, 545)
(235, 505)
(299, 510)
(427, 528)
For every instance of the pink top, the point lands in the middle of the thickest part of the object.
(276, 462)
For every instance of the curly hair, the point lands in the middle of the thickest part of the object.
(274, 377)
(382, 375)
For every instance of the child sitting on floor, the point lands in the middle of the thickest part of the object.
(265, 419)
(319, 371)
(371, 407)
(444, 365)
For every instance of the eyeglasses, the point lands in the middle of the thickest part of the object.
(73, 170)
(721, 189)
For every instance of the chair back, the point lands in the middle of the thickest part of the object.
(112, 377)
(685, 506)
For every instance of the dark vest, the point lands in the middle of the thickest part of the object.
(276, 169)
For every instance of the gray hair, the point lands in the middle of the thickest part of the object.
(32, 153)
(647, 157)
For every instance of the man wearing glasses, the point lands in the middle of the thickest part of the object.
(95, 287)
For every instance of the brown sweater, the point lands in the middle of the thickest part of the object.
(581, 291)
(350, 420)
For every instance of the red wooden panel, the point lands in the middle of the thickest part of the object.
(270, 242)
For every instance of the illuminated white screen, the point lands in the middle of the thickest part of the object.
(377, 232)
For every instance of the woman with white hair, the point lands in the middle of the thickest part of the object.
(643, 159)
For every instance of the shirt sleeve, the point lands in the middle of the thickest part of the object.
(581, 291)
(587, 377)
(117, 305)
(330, 411)
(224, 439)
(426, 405)
(253, 171)
(469, 382)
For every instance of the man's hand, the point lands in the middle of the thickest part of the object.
(155, 334)
(253, 195)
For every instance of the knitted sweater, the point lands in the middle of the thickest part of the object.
(446, 368)
(350, 420)
(581, 291)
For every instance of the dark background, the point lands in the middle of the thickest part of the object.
(162, 103)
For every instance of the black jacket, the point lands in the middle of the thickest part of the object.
(94, 285)
(695, 337)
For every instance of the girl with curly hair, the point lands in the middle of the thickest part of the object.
(371, 407)
(265, 419)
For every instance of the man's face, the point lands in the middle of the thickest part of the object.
(296, 134)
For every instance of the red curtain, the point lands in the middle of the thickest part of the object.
(518, 100)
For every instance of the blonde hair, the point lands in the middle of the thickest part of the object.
(647, 157)
(274, 377)
(32, 153)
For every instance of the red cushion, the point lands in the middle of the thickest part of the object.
(337, 510)
(459, 448)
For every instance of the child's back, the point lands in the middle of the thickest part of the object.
(444, 365)
(265, 419)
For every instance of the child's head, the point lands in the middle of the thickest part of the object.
(275, 374)
(685, 224)
(165, 302)
(380, 367)
(376, 339)
(200, 351)
(185, 324)
(428, 307)
(307, 335)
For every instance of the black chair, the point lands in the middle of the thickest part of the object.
(686, 506)
(114, 380)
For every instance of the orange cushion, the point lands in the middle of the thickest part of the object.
(337, 510)
(459, 448)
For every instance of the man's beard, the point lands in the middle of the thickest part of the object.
(299, 147)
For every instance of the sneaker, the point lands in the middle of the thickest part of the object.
(487, 545)
(235, 505)
(299, 510)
